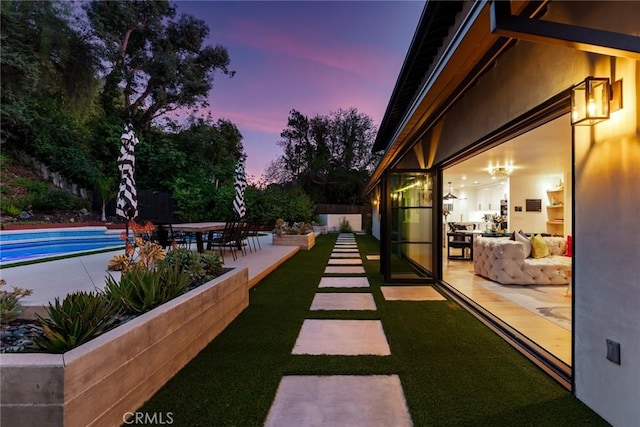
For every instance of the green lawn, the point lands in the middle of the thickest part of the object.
(453, 369)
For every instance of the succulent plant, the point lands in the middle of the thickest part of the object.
(10, 307)
(140, 290)
(80, 317)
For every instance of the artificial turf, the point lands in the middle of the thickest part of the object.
(453, 369)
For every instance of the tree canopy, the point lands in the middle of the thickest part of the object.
(154, 61)
(328, 156)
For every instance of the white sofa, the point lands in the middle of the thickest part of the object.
(502, 260)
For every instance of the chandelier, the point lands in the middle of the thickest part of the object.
(499, 171)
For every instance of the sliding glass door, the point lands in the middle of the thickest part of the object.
(410, 226)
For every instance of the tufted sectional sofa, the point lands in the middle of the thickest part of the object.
(502, 260)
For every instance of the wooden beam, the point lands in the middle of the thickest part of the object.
(503, 23)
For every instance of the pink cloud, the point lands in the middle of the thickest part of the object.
(359, 60)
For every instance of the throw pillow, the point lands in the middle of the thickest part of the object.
(526, 243)
(569, 250)
(539, 247)
(513, 236)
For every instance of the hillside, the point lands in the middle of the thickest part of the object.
(22, 189)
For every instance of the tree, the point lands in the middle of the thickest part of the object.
(47, 68)
(328, 156)
(155, 62)
(107, 189)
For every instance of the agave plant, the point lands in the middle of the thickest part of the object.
(140, 290)
(80, 317)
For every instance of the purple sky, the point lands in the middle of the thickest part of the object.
(312, 56)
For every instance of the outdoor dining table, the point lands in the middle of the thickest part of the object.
(199, 228)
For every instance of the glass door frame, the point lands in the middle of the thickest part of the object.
(386, 227)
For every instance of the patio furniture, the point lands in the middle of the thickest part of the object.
(254, 228)
(228, 238)
(199, 228)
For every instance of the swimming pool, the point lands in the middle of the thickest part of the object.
(26, 245)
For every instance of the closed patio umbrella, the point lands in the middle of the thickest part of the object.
(127, 201)
(240, 184)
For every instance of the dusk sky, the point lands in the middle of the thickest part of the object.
(312, 56)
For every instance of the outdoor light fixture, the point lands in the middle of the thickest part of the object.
(590, 101)
(449, 195)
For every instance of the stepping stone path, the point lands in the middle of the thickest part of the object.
(341, 400)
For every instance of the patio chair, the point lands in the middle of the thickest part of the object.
(243, 237)
(253, 233)
(226, 239)
(182, 239)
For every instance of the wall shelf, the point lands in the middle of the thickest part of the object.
(555, 212)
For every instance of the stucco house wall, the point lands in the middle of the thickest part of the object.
(607, 185)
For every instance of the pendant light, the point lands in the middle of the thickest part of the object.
(449, 195)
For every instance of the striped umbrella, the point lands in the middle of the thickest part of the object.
(127, 202)
(240, 184)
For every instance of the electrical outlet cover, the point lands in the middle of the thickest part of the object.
(613, 351)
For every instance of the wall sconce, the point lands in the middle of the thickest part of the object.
(590, 101)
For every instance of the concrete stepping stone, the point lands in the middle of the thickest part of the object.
(344, 270)
(344, 282)
(339, 400)
(373, 257)
(342, 337)
(345, 261)
(343, 301)
(341, 250)
(411, 293)
(344, 255)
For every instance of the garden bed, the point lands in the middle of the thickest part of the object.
(304, 241)
(99, 382)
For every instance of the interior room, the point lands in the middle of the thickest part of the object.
(522, 185)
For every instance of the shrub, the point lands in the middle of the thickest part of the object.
(35, 187)
(57, 198)
(212, 263)
(10, 307)
(140, 290)
(200, 267)
(10, 209)
(295, 229)
(345, 227)
(139, 251)
(79, 318)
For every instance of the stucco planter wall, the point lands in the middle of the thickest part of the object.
(304, 241)
(98, 382)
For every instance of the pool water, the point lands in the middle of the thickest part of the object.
(26, 245)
